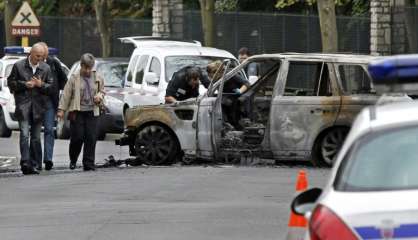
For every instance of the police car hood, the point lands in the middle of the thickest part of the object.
(372, 214)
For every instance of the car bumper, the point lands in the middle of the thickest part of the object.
(11, 121)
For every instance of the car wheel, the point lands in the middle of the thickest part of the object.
(4, 130)
(155, 145)
(328, 146)
(62, 131)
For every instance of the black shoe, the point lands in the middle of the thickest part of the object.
(72, 165)
(48, 165)
(28, 171)
(89, 169)
(39, 168)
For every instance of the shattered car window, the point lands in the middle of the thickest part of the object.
(175, 63)
(112, 73)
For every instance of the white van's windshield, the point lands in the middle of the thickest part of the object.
(175, 63)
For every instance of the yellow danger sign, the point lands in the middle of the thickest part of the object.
(25, 23)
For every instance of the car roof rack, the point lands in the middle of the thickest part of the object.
(141, 41)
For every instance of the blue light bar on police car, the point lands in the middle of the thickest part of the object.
(18, 50)
(395, 69)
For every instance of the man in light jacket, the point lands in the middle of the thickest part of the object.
(83, 94)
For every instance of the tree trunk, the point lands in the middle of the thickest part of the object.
(328, 24)
(9, 12)
(207, 9)
(104, 24)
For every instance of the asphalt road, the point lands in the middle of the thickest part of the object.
(177, 202)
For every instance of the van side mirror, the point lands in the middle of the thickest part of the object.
(151, 78)
(305, 201)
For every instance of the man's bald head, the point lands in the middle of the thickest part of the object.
(36, 53)
(46, 50)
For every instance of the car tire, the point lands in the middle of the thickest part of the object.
(155, 145)
(62, 130)
(328, 145)
(4, 130)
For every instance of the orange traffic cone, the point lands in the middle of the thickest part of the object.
(297, 224)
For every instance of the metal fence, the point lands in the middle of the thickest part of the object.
(74, 36)
(405, 35)
(260, 32)
(268, 32)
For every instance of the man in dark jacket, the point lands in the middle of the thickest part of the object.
(185, 84)
(252, 69)
(59, 80)
(30, 81)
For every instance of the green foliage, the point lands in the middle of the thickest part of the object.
(360, 7)
(226, 5)
(287, 3)
(345, 7)
(44, 7)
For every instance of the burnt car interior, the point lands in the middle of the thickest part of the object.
(245, 117)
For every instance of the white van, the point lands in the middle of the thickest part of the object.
(155, 60)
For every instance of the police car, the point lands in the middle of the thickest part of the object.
(373, 189)
(13, 54)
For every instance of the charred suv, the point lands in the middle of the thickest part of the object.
(299, 107)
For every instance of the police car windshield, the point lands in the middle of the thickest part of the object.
(374, 165)
(175, 63)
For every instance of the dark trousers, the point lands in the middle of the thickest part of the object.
(83, 128)
(230, 110)
(30, 143)
(49, 136)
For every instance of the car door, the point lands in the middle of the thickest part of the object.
(130, 72)
(134, 94)
(357, 91)
(216, 113)
(151, 85)
(2, 85)
(307, 102)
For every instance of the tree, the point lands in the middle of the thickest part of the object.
(328, 25)
(104, 24)
(10, 8)
(207, 11)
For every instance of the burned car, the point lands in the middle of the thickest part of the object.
(300, 107)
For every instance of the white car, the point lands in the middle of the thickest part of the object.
(13, 54)
(155, 60)
(373, 189)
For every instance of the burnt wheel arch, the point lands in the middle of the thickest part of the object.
(156, 144)
(328, 144)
